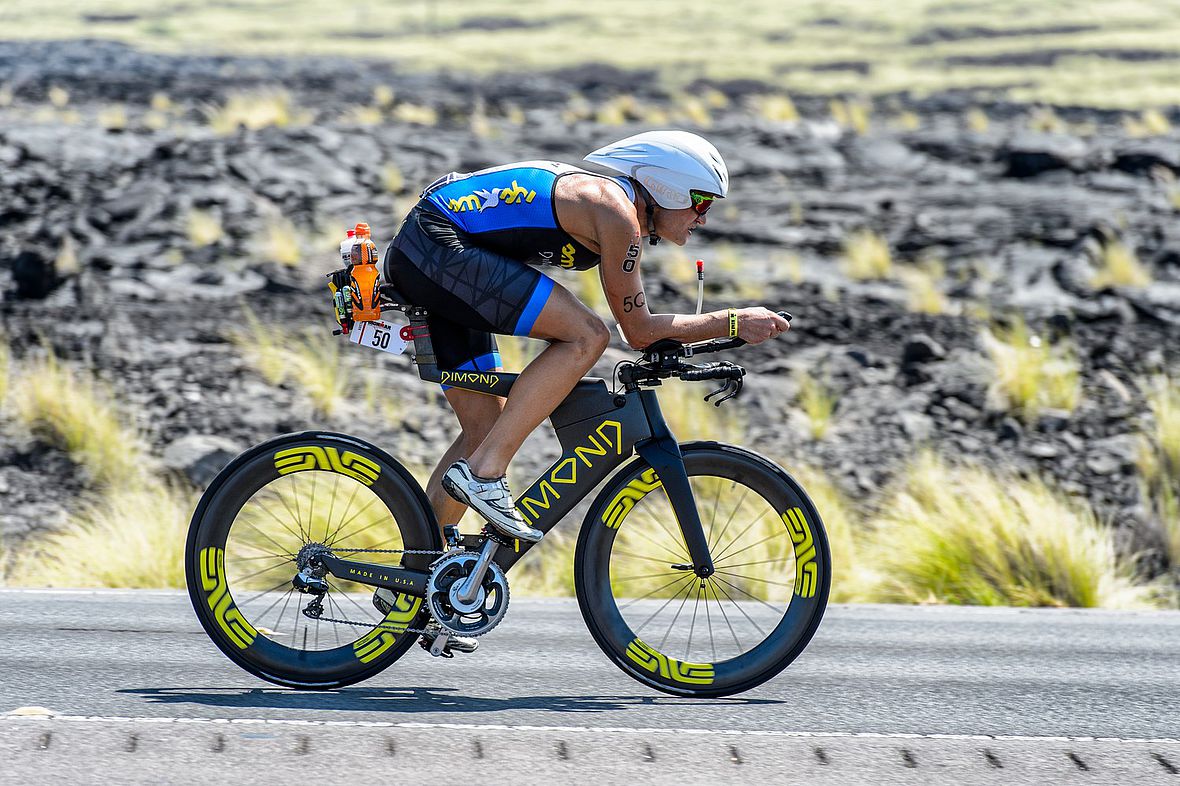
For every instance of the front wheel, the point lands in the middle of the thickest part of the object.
(667, 628)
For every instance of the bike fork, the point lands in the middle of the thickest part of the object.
(663, 454)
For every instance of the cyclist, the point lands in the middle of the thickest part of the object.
(466, 253)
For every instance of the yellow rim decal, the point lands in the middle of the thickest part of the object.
(378, 640)
(669, 668)
(239, 631)
(308, 457)
(634, 491)
(805, 567)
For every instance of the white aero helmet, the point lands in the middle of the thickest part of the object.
(669, 164)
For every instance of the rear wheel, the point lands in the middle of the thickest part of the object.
(664, 626)
(258, 521)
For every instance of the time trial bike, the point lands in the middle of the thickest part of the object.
(701, 569)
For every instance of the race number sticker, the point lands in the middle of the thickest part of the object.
(378, 334)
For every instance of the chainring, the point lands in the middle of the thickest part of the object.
(473, 619)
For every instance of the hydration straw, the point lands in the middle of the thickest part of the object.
(700, 284)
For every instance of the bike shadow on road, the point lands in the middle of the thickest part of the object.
(414, 700)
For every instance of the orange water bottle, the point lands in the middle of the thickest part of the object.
(365, 296)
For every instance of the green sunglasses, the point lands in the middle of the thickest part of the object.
(701, 202)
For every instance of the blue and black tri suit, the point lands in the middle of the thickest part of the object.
(464, 253)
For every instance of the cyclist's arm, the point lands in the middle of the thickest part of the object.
(621, 248)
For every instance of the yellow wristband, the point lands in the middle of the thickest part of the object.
(733, 325)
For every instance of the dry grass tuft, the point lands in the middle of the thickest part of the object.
(415, 114)
(129, 537)
(203, 228)
(922, 283)
(818, 403)
(854, 115)
(75, 411)
(253, 111)
(967, 536)
(279, 242)
(1159, 459)
(113, 117)
(1031, 374)
(867, 256)
(1119, 267)
(1151, 122)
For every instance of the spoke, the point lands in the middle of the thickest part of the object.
(749, 527)
(295, 627)
(759, 543)
(311, 508)
(340, 611)
(264, 555)
(344, 516)
(335, 627)
(675, 540)
(787, 558)
(732, 632)
(779, 612)
(297, 535)
(347, 552)
(282, 498)
(283, 611)
(676, 616)
(282, 550)
(376, 523)
(637, 556)
(755, 578)
(298, 513)
(260, 572)
(738, 606)
(650, 540)
(696, 606)
(671, 598)
(336, 536)
(262, 616)
(732, 513)
(657, 589)
(364, 612)
(283, 583)
(332, 506)
(713, 518)
(649, 575)
(709, 622)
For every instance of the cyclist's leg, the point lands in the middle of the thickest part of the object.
(577, 338)
(477, 414)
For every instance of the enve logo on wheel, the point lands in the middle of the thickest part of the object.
(805, 568)
(669, 668)
(378, 640)
(239, 631)
(308, 457)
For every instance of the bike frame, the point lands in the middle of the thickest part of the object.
(598, 431)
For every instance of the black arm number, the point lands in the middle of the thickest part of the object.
(631, 303)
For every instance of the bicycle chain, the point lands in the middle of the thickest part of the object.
(382, 625)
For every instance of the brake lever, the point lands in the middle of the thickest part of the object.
(734, 388)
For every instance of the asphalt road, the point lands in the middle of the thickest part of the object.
(129, 687)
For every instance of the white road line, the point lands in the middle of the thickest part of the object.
(591, 729)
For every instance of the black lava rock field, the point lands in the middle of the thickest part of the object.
(106, 152)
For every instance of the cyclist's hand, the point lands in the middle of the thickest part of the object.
(756, 324)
